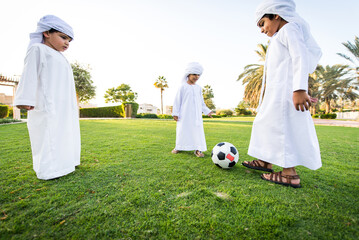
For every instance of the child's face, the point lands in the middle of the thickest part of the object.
(270, 27)
(192, 78)
(57, 40)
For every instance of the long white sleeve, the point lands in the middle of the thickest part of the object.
(177, 103)
(292, 38)
(28, 86)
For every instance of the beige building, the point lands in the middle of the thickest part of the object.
(87, 105)
(147, 108)
(168, 110)
(7, 100)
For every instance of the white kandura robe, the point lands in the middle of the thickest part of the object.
(47, 83)
(281, 135)
(188, 106)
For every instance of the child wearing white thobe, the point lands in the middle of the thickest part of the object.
(284, 134)
(47, 90)
(187, 111)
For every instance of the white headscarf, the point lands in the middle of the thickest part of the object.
(286, 10)
(192, 68)
(45, 24)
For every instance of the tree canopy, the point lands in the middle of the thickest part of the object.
(252, 78)
(208, 94)
(353, 49)
(122, 93)
(85, 89)
(335, 81)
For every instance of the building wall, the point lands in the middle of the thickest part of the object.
(147, 108)
(168, 110)
(7, 100)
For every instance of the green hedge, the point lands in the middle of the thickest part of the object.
(146, 115)
(213, 116)
(114, 111)
(165, 116)
(328, 116)
(225, 113)
(134, 109)
(243, 112)
(4, 111)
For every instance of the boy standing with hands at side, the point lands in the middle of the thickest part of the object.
(47, 91)
(283, 131)
(187, 112)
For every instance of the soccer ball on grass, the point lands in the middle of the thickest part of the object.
(225, 155)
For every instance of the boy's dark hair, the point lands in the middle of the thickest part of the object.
(270, 16)
(53, 30)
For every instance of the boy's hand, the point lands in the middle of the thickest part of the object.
(25, 107)
(175, 118)
(313, 100)
(210, 114)
(301, 100)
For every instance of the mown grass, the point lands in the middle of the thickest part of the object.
(129, 186)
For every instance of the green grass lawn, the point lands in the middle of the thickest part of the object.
(129, 186)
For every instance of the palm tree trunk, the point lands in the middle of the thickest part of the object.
(161, 102)
(312, 109)
(327, 105)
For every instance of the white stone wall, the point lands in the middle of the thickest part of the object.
(146, 108)
(348, 115)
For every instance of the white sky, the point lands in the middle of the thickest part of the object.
(135, 41)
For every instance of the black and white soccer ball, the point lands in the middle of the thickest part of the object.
(225, 155)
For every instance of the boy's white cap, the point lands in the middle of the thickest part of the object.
(286, 10)
(192, 68)
(45, 24)
(283, 8)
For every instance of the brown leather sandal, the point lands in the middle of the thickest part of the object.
(257, 166)
(174, 151)
(198, 153)
(277, 178)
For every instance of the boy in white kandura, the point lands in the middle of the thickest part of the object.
(283, 131)
(47, 91)
(187, 111)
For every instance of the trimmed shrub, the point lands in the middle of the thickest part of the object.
(316, 116)
(3, 121)
(165, 116)
(214, 116)
(115, 111)
(11, 112)
(23, 113)
(134, 108)
(4, 111)
(225, 112)
(146, 115)
(243, 111)
(328, 116)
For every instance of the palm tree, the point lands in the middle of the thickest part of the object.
(335, 82)
(354, 50)
(252, 76)
(314, 90)
(161, 83)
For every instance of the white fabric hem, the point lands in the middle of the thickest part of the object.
(56, 174)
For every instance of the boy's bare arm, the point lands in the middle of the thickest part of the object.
(25, 107)
(301, 100)
(175, 118)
